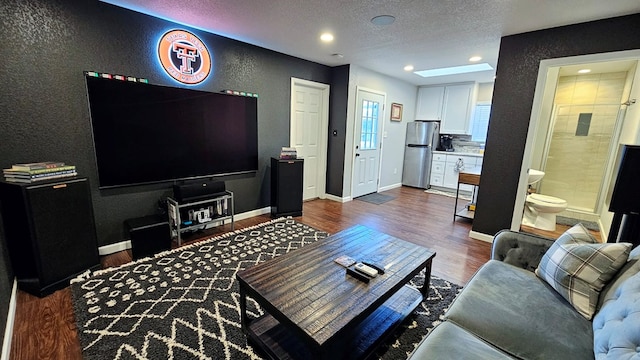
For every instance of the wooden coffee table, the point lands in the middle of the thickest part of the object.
(315, 310)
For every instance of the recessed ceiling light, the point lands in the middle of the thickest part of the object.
(337, 55)
(408, 68)
(454, 70)
(383, 20)
(584, 71)
(475, 58)
(326, 37)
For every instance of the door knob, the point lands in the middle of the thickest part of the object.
(357, 155)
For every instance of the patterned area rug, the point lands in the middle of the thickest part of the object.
(183, 304)
(448, 193)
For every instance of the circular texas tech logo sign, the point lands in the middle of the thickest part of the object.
(184, 57)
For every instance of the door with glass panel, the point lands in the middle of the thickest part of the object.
(367, 142)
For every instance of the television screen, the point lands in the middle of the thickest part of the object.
(147, 133)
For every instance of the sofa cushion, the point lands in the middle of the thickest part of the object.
(578, 267)
(448, 341)
(616, 327)
(521, 314)
(629, 269)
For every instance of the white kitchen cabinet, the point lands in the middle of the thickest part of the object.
(429, 104)
(451, 104)
(457, 109)
(437, 180)
(437, 171)
(445, 169)
(439, 157)
(451, 175)
(437, 167)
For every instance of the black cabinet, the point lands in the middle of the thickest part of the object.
(50, 232)
(286, 187)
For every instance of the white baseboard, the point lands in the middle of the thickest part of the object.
(114, 248)
(11, 317)
(604, 234)
(252, 213)
(481, 236)
(349, 198)
(338, 198)
(389, 187)
(126, 244)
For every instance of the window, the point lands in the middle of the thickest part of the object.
(369, 130)
(480, 122)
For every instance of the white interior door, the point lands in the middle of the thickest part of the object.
(367, 142)
(309, 126)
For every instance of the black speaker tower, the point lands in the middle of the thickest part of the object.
(50, 232)
(286, 187)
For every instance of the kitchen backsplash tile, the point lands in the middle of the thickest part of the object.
(463, 143)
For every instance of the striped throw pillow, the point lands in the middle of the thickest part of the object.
(577, 266)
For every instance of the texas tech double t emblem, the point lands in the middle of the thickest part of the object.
(184, 57)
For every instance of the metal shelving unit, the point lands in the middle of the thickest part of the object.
(192, 216)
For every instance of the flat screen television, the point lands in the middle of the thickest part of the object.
(146, 133)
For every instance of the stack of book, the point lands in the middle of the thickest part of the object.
(288, 153)
(40, 171)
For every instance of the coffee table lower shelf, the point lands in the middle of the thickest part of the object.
(278, 341)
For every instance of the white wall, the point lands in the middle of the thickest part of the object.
(485, 92)
(396, 91)
(632, 119)
(630, 134)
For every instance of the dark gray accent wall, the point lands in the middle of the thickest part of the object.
(516, 77)
(48, 44)
(338, 98)
(44, 115)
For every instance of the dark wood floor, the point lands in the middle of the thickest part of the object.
(45, 328)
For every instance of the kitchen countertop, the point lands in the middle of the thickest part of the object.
(458, 153)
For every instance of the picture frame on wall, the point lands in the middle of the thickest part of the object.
(396, 112)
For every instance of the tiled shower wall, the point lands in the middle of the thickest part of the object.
(577, 159)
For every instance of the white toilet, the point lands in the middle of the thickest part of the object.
(540, 210)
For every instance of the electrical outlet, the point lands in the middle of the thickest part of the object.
(395, 170)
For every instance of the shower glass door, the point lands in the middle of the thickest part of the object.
(578, 152)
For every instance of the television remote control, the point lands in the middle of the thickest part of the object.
(367, 270)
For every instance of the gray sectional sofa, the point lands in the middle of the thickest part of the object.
(506, 311)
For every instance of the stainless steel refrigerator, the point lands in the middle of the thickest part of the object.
(422, 139)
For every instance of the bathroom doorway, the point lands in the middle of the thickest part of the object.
(577, 122)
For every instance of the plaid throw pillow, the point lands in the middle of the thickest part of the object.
(577, 266)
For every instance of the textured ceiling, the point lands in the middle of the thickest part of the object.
(426, 34)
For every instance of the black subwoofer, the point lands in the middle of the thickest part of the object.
(286, 187)
(50, 233)
(149, 235)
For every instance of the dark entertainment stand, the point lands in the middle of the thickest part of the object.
(50, 232)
